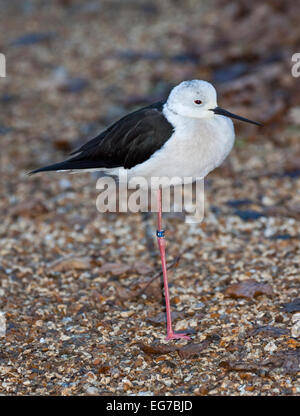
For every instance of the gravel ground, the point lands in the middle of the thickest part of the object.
(73, 282)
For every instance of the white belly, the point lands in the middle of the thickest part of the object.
(194, 150)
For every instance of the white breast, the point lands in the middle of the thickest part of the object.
(196, 147)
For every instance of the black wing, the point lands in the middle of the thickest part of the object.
(126, 143)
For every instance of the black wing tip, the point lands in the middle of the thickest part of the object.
(33, 172)
(72, 164)
(55, 167)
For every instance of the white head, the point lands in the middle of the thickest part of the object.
(198, 99)
(193, 98)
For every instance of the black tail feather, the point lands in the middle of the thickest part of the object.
(70, 165)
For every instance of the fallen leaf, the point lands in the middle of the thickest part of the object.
(193, 350)
(33, 38)
(247, 215)
(293, 306)
(142, 268)
(30, 209)
(70, 263)
(238, 202)
(157, 348)
(114, 268)
(271, 331)
(240, 366)
(249, 289)
(288, 360)
(279, 211)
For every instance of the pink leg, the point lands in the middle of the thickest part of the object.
(162, 248)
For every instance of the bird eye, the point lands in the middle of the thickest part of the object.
(198, 102)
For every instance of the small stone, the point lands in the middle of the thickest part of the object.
(296, 317)
(296, 327)
(268, 202)
(64, 337)
(93, 391)
(271, 347)
(65, 184)
(126, 314)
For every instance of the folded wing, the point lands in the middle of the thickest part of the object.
(128, 142)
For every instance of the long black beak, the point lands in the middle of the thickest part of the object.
(221, 112)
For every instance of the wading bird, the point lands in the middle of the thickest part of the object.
(186, 136)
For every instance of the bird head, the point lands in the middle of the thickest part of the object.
(198, 99)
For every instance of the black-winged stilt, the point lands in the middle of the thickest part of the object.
(186, 136)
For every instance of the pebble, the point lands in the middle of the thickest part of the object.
(296, 325)
(271, 347)
(91, 390)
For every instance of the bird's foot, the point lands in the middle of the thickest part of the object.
(178, 335)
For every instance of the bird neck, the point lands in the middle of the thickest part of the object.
(178, 121)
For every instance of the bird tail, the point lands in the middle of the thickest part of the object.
(76, 164)
(67, 165)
